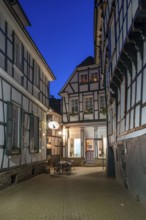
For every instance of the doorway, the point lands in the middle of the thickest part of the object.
(89, 150)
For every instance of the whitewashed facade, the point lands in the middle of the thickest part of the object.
(84, 118)
(24, 81)
(120, 37)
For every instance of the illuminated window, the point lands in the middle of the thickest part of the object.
(74, 149)
(94, 77)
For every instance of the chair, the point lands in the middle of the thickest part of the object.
(57, 168)
(66, 168)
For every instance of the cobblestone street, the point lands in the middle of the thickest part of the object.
(85, 195)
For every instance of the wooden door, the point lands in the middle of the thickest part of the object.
(89, 150)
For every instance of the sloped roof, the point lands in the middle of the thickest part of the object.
(87, 62)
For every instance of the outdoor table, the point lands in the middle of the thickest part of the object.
(62, 167)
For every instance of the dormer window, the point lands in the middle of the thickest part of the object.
(84, 78)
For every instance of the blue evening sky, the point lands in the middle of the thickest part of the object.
(63, 32)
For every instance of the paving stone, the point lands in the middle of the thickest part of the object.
(87, 194)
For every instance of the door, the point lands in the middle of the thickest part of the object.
(89, 150)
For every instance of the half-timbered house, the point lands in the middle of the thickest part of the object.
(54, 135)
(24, 77)
(84, 115)
(120, 41)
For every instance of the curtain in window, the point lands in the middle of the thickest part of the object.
(13, 129)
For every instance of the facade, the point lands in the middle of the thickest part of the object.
(83, 115)
(120, 38)
(24, 82)
(54, 135)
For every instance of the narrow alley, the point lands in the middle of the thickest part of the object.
(86, 194)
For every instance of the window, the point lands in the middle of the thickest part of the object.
(88, 105)
(94, 77)
(102, 101)
(36, 75)
(84, 78)
(74, 149)
(102, 105)
(13, 129)
(74, 106)
(34, 133)
(18, 53)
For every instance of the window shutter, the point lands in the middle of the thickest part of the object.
(34, 133)
(22, 131)
(31, 132)
(9, 141)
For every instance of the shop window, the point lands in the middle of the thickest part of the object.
(75, 147)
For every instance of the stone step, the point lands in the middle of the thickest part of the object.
(89, 164)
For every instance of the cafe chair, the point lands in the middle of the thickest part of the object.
(57, 168)
(66, 168)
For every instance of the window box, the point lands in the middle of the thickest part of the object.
(89, 112)
(73, 113)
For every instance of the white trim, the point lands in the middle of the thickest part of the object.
(28, 42)
(10, 80)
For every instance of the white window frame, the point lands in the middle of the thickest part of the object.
(13, 143)
(102, 101)
(88, 104)
(74, 106)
